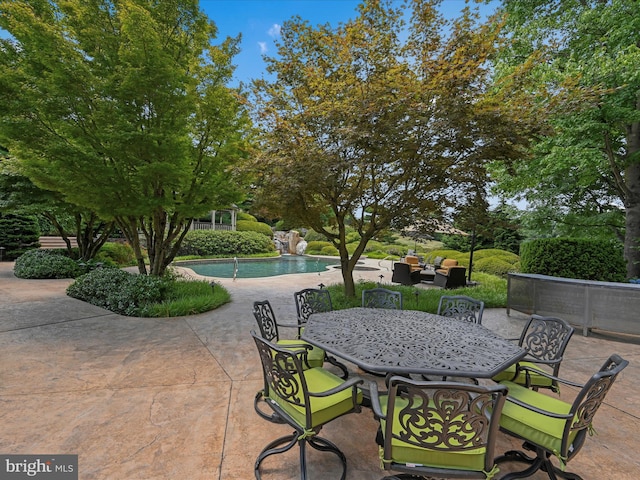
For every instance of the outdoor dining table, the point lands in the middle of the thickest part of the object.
(411, 342)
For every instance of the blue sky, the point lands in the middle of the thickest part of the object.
(259, 21)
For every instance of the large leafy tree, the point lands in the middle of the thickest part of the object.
(378, 122)
(585, 175)
(20, 196)
(122, 107)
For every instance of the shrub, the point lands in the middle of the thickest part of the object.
(18, 233)
(493, 266)
(246, 216)
(206, 243)
(317, 246)
(253, 226)
(330, 250)
(313, 236)
(45, 264)
(116, 253)
(587, 259)
(117, 290)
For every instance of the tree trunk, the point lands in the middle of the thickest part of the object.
(632, 240)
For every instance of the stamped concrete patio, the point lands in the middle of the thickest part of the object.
(172, 398)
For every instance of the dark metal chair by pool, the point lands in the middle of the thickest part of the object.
(438, 429)
(545, 339)
(552, 427)
(382, 298)
(461, 307)
(454, 277)
(305, 399)
(315, 300)
(314, 356)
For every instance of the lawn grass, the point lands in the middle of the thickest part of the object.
(188, 297)
(492, 290)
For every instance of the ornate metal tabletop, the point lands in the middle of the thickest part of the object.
(409, 341)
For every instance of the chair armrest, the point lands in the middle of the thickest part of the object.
(549, 376)
(351, 383)
(375, 400)
(535, 409)
(541, 362)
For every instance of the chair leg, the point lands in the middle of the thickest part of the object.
(318, 443)
(542, 461)
(274, 448)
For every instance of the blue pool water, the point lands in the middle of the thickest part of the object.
(269, 267)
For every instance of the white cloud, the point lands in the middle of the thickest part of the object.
(263, 47)
(274, 31)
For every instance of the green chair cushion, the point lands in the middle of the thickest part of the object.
(536, 380)
(323, 409)
(315, 356)
(406, 453)
(536, 427)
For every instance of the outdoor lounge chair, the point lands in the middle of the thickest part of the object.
(403, 275)
(551, 427)
(305, 399)
(545, 339)
(437, 429)
(454, 277)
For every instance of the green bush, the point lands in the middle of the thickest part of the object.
(206, 243)
(253, 226)
(352, 237)
(117, 290)
(116, 253)
(493, 266)
(246, 216)
(586, 259)
(317, 246)
(330, 250)
(313, 236)
(18, 233)
(45, 264)
(373, 246)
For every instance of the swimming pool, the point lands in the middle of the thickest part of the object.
(261, 267)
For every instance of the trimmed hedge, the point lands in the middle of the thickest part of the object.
(116, 253)
(46, 264)
(205, 243)
(586, 259)
(253, 226)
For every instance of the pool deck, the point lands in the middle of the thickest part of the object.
(172, 398)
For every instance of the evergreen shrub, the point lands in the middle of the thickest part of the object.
(253, 226)
(18, 233)
(116, 253)
(46, 264)
(118, 291)
(586, 259)
(316, 246)
(206, 243)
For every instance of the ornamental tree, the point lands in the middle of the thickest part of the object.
(584, 175)
(121, 106)
(378, 123)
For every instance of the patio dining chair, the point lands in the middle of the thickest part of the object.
(437, 429)
(382, 298)
(310, 301)
(315, 300)
(305, 399)
(551, 427)
(262, 311)
(461, 308)
(545, 339)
